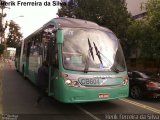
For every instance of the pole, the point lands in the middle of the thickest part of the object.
(2, 30)
(1, 25)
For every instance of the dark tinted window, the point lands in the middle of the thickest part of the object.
(18, 51)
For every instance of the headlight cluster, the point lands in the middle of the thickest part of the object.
(125, 80)
(72, 83)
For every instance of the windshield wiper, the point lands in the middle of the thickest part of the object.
(98, 53)
(100, 59)
(91, 52)
(90, 48)
(86, 66)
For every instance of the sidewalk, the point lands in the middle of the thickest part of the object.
(1, 77)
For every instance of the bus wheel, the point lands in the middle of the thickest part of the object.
(135, 92)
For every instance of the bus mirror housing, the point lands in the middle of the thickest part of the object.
(59, 36)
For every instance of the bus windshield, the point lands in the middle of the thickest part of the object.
(91, 50)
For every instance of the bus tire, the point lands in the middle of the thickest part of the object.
(136, 92)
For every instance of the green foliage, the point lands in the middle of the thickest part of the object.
(153, 14)
(2, 47)
(14, 36)
(144, 34)
(151, 47)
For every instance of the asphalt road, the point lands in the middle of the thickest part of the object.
(19, 96)
(1, 76)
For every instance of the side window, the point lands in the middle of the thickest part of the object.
(18, 52)
(25, 49)
(36, 52)
(136, 75)
(45, 41)
(36, 47)
(28, 49)
(130, 74)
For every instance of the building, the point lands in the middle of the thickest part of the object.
(12, 52)
(136, 8)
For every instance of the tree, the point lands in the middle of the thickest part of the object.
(153, 17)
(108, 13)
(148, 31)
(144, 34)
(153, 14)
(14, 36)
(2, 15)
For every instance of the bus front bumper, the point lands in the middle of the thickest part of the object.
(79, 95)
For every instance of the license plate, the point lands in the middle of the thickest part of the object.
(89, 81)
(103, 95)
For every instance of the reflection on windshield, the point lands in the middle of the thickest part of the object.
(79, 50)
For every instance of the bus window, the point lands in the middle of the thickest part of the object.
(36, 48)
(18, 51)
(25, 49)
(28, 49)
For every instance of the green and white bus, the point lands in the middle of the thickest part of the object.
(86, 61)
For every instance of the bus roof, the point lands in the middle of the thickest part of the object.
(69, 22)
(72, 22)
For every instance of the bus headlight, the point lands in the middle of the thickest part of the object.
(72, 83)
(68, 82)
(125, 81)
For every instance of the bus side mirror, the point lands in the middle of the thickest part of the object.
(59, 36)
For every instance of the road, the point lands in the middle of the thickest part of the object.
(19, 96)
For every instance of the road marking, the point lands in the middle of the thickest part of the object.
(141, 105)
(86, 112)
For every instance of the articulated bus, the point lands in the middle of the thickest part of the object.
(86, 61)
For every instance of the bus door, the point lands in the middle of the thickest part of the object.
(53, 62)
(50, 55)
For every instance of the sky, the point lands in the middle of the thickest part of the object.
(34, 16)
